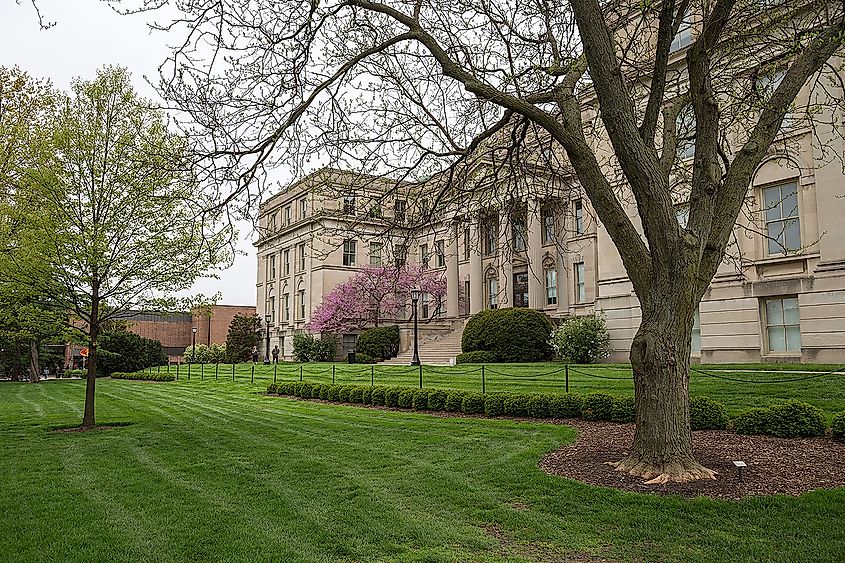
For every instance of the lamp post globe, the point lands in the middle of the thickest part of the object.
(193, 344)
(267, 320)
(415, 296)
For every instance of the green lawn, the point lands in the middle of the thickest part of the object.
(757, 385)
(211, 472)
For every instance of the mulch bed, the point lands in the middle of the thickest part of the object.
(775, 465)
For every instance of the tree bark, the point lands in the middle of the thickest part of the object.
(660, 357)
(34, 366)
(93, 334)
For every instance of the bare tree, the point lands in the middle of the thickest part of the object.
(469, 94)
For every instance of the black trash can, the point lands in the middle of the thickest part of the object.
(350, 358)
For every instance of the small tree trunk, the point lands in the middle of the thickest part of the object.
(34, 366)
(93, 334)
(660, 354)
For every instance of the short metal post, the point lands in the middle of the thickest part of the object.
(233, 371)
(420, 376)
(483, 383)
(300, 373)
(168, 366)
(216, 370)
(177, 372)
(274, 372)
(159, 369)
(189, 370)
(567, 377)
(332, 374)
(202, 371)
(372, 376)
(252, 379)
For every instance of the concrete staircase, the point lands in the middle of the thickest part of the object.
(439, 351)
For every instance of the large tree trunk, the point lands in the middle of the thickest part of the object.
(660, 356)
(93, 334)
(34, 366)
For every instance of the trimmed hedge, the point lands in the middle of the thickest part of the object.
(473, 403)
(362, 358)
(144, 376)
(513, 334)
(565, 406)
(378, 343)
(494, 404)
(76, 373)
(707, 414)
(837, 429)
(792, 419)
(597, 406)
(538, 406)
(391, 396)
(516, 404)
(437, 400)
(406, 399)
(420, 399)
(623, 410)
(378, 396)
(454, 401)
(476, 357)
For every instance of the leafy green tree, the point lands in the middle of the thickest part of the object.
(121, 350)
(242, 336)
(112, 206)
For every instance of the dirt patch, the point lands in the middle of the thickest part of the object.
(775, 465)
(508, 547)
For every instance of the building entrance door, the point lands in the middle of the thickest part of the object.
(520, 289)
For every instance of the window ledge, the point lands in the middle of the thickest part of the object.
(784, 258)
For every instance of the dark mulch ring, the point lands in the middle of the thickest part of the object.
(775, 465)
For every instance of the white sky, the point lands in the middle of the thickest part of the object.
(87, 35)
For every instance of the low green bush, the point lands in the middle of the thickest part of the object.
(707, 414)
(75, 373)
(582, 340)
(272, 388)
(538, 406)
(343, 394)
(494, 404)
(367, 395)
(437, 400)
(476, 357)
(378, 395)
(454, 401)
(144, 376)
(356, 394)
(516, 404)
(288, 388)
(473, 403)
(837, 428)
(362, 358)
(597, 406)
(406, 398)
(420, 401)
(379, 342)
(391, 396)
(513, 334)
(752, 421)
(795, 419)
(320, 391)
(305, 390)
(565, 406)
(623, 410)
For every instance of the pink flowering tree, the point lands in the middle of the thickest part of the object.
(372, 295)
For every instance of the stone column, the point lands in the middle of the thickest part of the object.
(563, 283)
(476, 274)
(505, 263)
(452, 280)
(536, 281)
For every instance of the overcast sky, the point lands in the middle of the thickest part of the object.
(88, 35)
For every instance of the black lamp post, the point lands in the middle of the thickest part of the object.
(267, 319)
(415, 296)
(194, 345)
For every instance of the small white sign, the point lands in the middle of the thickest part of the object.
(739, 464)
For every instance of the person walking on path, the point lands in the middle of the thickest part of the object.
(255, 354)
(276, 354)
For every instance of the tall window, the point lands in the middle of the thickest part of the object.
(399, 207)
(765, 84)
(349, 248)
(695, 344)
(684, 35)
(490, 229)
(548, 226)
(467, 297)
(303, 208)
(685, 132)
(272, 222)
(302, 304)
(551, 286)
(782, 222)
(272, 309)
(492, 292)
(302, 257)
(466, 244)
(286, 307)
(267, 268)
(287, 262)
(440, 251)
(272, 266)
(579, 217)
(349, 204)
(425, 300)
(580, 283)
(287, 215)
(783, 326)
(375, 253)
(401, 255)
(424, 256)
(519, 233)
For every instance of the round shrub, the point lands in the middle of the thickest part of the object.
(538, 406)
(377, 396)
(837, 428)
(494, 404)
(363, 358)
(473, 403)
(356, 394)
(454, 401)
(406, 398)
(795, 419)
(391, 396)
(565, 406)
(707, 414)
(272, 388)
(343, 393)
(597, 406)
(582, 340)
(752, 421)
(513, 334)
(379, 342)
(623, 410)
(436, 400)
(305, 390)
(320, 392)
(420, 400)
(367, 395)
(476, 357)
(516, 404)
